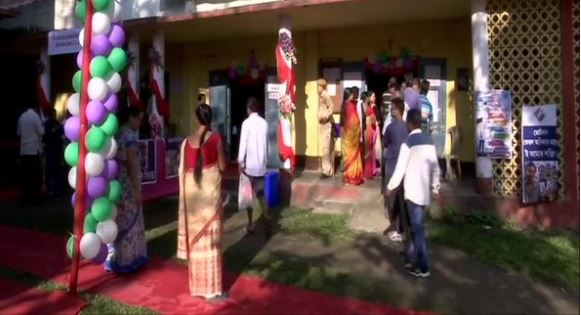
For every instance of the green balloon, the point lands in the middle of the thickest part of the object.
(71, 246)
(72, 154)
(101, 5)
(101, 209)
(115, 191)
(90, 223)
(118, 59)
(101, 68)
(96, 139)
(81, 10)
(110, 126)
(78, 81)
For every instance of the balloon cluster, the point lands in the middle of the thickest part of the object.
(108, 59)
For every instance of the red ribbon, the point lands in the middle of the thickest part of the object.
(285, 152)
(285, 73)
(41, 97)
(133, 98)
(162, 105)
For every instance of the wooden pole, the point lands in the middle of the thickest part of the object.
(81, 187)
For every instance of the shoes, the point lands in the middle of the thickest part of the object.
(323, 176)
(418, 273)
(250, 228)
(395, 237)
(224, 297)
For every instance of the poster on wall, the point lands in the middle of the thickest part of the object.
(540, 154)
(147, 163)
(172, 157)
(493, 124)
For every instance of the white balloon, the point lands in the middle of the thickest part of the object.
(114, 11)
(94, 164)
(97, 89)
(82, 37)
(110, 149)
(73, 177)
(107, 231)
(73, 104)
(113, 215)
(90, 245)
(101, 23)
(114, 82)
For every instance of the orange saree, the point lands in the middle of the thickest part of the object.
(351, 150)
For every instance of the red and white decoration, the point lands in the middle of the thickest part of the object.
(285, 59)
(158, 107)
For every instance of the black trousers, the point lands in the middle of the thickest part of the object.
(31, 180)
(395, 208)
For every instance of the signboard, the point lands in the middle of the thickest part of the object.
(540, 154)
(147, 161)
(172, 157)
(271, 115)
(493, 124)
(64, 42)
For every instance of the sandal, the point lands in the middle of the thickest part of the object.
(250, 228)
(221, 298)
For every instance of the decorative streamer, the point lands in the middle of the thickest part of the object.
(91, 130)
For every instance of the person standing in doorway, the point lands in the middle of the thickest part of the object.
(252, 158)
(325, 114)
(394, 204)
(53, 152)
(425, 106)
(201, 99)
(30, 131)
(418, 162)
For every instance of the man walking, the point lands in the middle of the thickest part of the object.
(325, 116)
(395, 134)
(419, 163)
(30, 131)
(252, 158)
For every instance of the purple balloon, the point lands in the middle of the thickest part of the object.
(80, 59)
(117, 36)
(73, 128)
(102, 255)
(111, 103)
(87, 204)
(97, 187)
(101, 46)
(96, 112)
(112, 169)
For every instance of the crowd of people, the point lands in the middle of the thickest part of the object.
(397, 140)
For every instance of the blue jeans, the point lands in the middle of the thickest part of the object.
(416, 249)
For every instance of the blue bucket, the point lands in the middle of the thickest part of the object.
(272, 189)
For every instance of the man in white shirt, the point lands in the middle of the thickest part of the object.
(30, 130)
(252, 158)
(418, 162)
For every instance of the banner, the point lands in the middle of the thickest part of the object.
(540, 154)
(147, 163)
(64, 42)
(493, 124)
(172, 157)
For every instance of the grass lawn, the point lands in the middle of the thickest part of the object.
(549, 256)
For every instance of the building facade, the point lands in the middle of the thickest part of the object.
(225, 49)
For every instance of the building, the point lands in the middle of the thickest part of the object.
(226, 50)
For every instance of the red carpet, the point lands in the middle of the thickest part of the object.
(163, 286)
(19, 299)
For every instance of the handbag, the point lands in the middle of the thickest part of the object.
(245, 195)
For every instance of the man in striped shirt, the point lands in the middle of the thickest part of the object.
(418, 162)
(425, 106)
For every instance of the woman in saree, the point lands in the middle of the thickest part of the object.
(129, 252)
(353, 167)
(370, 163)
(202, 160)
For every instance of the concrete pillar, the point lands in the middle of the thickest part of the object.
(159, 46)
(481, 83)
(133, 70)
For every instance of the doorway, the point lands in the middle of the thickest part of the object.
(239, 95)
